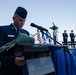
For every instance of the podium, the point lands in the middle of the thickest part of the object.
(38, 59)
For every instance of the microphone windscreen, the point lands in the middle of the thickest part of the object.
(32, 24)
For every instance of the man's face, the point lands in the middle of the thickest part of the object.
(18, 21)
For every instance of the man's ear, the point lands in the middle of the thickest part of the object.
(13, 18)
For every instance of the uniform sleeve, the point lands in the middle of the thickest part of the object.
(7, 58)
(1, 37)
(25, 32)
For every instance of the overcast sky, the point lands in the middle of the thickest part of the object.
(42, 13)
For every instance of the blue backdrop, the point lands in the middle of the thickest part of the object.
(64, 63)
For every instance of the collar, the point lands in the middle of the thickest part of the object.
(14, 26)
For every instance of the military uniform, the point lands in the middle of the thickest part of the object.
(72, 38)
(65, 38)
(7, 34)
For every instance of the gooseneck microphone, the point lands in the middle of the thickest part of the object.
(39, 27)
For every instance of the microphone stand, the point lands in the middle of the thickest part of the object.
(50, 36)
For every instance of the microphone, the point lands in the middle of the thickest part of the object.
(39, 27)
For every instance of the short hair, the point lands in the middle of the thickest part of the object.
(71, 30)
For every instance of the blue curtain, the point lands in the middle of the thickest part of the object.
(64, 63)
(71, 62)
(58, 58)
(68, 63)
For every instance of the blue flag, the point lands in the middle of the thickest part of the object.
(44, 39)
(48, 39)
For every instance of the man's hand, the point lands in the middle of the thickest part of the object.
(19, 61)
